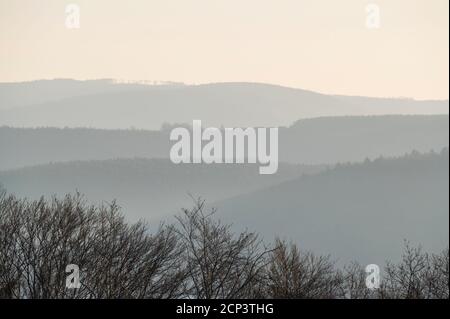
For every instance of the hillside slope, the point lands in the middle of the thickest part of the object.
(228, 104)
(145, 188)
(360, 211)
(315, 141)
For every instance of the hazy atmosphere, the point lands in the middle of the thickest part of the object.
(95, 95)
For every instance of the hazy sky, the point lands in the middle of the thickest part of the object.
(322, 45)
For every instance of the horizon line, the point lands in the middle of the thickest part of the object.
(156, 83)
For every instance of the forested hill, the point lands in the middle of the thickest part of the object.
(315, 141)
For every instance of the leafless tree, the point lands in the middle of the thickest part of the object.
(219, 264)
(295, 274)
(438, 279)
(198, 257)
(419, 275)
(39, 239)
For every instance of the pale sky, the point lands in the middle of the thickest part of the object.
(320, 45)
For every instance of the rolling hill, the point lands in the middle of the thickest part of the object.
(145, 188)
(355, 212)
(327, 140)
(148, 107)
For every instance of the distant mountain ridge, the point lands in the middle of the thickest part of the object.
(113, 106)
(21, 94)
(326, 140)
